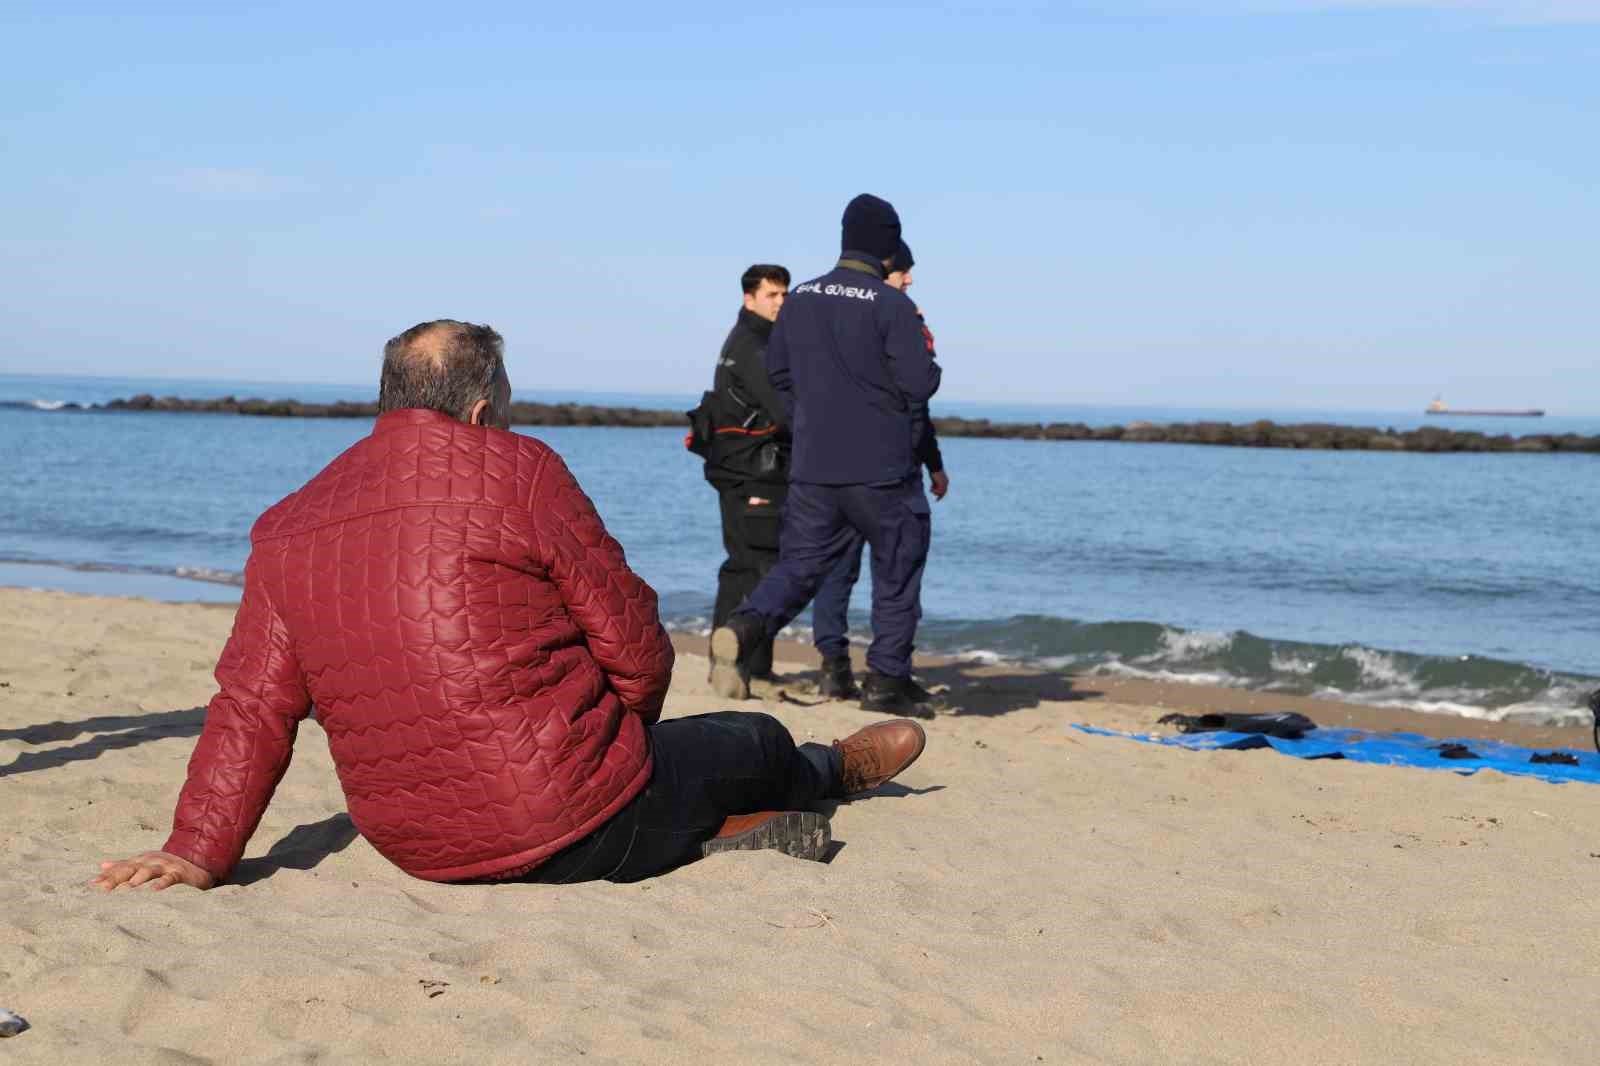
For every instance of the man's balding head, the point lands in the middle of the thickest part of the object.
(453, 367)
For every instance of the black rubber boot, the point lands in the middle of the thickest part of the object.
(891, 695)
(838, 680)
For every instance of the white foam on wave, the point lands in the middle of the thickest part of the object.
(1380, 669)
(47, 405)
(1547, 711)
(1385, 682)
(700, 626)
(1180, 645)
(1568, 695)
(1400, 703)
(1117, 668)
(982, 656)
(1067, 662)
(1285, 663)
(1546, 714)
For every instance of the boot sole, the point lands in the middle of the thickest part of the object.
(828, 689)
(726, 681)
(802, 834)
(900, 709)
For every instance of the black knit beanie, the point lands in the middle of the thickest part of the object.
(870, 225)
(901, 261)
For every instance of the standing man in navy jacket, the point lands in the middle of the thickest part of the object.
(830, 610)
(853, 370)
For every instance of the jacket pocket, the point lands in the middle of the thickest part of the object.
(762, 522)
(916, 499)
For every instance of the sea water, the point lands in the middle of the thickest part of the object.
(1465, 584)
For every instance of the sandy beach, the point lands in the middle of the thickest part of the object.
(1025, 893)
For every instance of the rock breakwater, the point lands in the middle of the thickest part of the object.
(1263, 434)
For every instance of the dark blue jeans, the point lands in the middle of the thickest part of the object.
(706, 767)
(821, 523)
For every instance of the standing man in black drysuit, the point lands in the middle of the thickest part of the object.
(830, 610)
(850, 365)
(748, 459)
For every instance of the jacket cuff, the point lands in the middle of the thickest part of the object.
(177, 845)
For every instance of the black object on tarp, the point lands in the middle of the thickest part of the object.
(1286, 724)
(1387, 749)
(1451, 750)
(1559, 758)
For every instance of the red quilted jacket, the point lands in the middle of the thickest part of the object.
(483, 661)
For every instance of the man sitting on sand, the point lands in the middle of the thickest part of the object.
(488, 670)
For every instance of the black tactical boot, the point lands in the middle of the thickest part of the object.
(732, 645)
(891, 695)
(838, 680)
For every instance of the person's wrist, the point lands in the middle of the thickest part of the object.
(191, 867)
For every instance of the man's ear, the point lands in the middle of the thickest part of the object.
(479, 409)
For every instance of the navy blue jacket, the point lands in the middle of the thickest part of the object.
(854, 371)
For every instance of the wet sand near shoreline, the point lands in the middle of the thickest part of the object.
(1025, 893)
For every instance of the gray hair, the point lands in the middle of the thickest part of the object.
(445, 366)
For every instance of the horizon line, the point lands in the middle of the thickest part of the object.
(666, 395)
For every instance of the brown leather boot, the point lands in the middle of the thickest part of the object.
(803, 834)
(877, 753)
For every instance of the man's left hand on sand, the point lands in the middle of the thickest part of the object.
(158, 869)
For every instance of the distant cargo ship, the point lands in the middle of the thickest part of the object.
(1439, 407)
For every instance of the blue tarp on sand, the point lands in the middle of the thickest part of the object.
(1393, 749)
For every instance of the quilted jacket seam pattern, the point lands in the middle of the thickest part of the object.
(481, 717)
(532, 857)
(354, 516)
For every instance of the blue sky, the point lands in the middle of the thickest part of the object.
(1268, 203)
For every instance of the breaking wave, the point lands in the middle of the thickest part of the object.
(1469, 686)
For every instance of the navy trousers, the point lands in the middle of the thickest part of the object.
(830, 611)
(821, 523)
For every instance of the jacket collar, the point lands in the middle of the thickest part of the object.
(407, 417)
(755, 323)
(861, 261)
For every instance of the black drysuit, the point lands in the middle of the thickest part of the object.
(748, 464)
